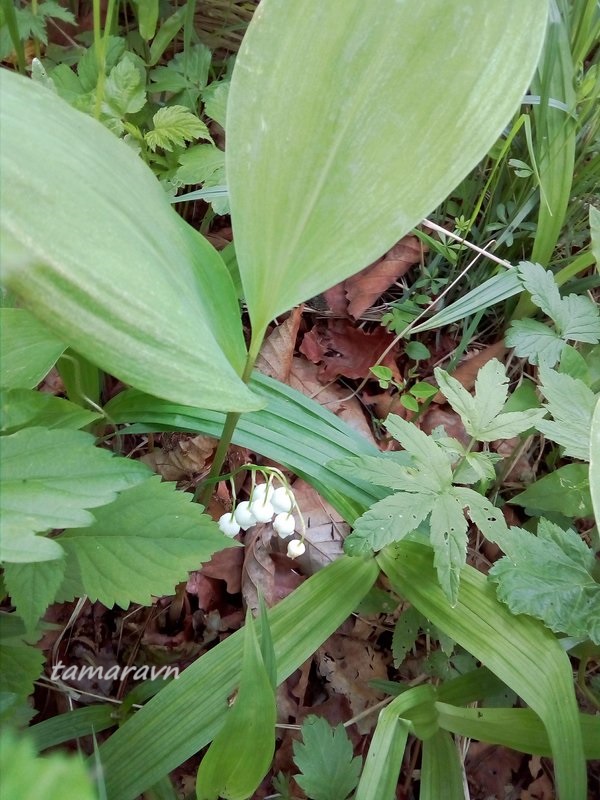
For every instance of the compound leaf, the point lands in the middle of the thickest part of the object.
(325, 757)
(571, 404)
(535, 341)
(125, 89)
(142, 544)
(389, 520)
(449, 540)
(550, 577)
(174, 126)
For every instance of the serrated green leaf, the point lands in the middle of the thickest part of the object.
(32, 587)
(49, 479)
(142, 544)
(481, 414)
(215, 98)
(241, 752)
(550, 577)
(52, 9)
(125, 90)
(595, 463)
(174, 126)
(382, 472)
(28, 350)
(388, 520)
(405, 633)
(565, 491)
(23, 407)
(476, 467)
(574, 364)
(167, 79)
(571, 404)
(542, 287)
(200, 163)
(325, 757)
(431, 460)
(580, 321)
(535, 341)
(24, 774)
(20, 663)
(484, 514)
(87, 67)
(449, 540)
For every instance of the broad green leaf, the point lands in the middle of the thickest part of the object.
(49, 479)
(564, 491)
(519, 650)
(302, 145)
(571, 404)
(28, 350)
(199, 163)
(379, 778)
(125, 87)
(389, 520)
(24, 775)
(517, 728)
(182, 718)
(174, 126)
(550, 577)
(484, 514)
(449, 540)
(482, 413)
(538, 343)
(215, 98)
(241, 752)
(103, 260)
(573, 363)
(142, 544)
(147, 16)
(442, 771)
(325, 758)
(595, 462)
(23, 407)
(32, 587)
(84, 721)
(595, 234)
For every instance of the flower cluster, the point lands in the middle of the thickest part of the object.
(265, 503)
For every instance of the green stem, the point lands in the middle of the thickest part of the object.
(204, 490)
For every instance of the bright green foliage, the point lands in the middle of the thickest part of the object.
(20, 664)
(300, 148)
(49, 479)
(142, 544)
(27, 349)
(442, 771)
(571, 405)
(175, 125)
(482, 414)
(325, 757)
(26, 776)
(595, 233)
(240, 754)
(550, 576)
(33, 587)
(23, 407)
(564, 491)
(125, 89)
(424, 490)
(575, 317)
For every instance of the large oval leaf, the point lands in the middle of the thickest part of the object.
(94, 249)
(348, 121)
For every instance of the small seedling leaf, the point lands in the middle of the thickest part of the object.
(174, 126)
(325, 757)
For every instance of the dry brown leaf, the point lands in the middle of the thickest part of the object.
(342, 349)
(364, 288)
(226, 565)
(258, 573)
(467, 370)
(180, 456)
(348, 665)
(277, 351)
(304, 378)
(449, 420)
(490, 768)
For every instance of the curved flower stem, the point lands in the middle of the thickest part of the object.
(204, 490)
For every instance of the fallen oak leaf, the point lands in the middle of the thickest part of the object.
(467, 370)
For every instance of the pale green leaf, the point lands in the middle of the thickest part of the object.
(595, 463)
(449, 540)
(442, 770)
(125, 90)
(28, 350)
(484, 514)
(32, 587)
(87, 66)
(50, 478)
(215, 98)
(147, 16)
(142, 544)
(431, 459)
(571, 404)
(542, 287)
(20, 663)
(24, 407)
(200, 163)
(241, 752)
(25, 775)
(564, 491)
(388, 520)
(301, 141)
(581, 319)
(595, 234)
(481, 414)
(167, 79)
(49, 8)
(384, 472)
(93, 247)
(550, 577)
(325, 756)
(379, 779)
(174, 126)
(533, 340)
(477, 467)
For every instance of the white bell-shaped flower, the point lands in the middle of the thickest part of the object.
(228, 525)
(282, 500)
(284, 524)
(243, 516)
(262, 510)
(295, 548)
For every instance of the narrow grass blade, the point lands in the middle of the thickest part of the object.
(442, 773)
(519, 650)
(187, 714)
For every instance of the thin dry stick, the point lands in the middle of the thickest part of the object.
(411, 325)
